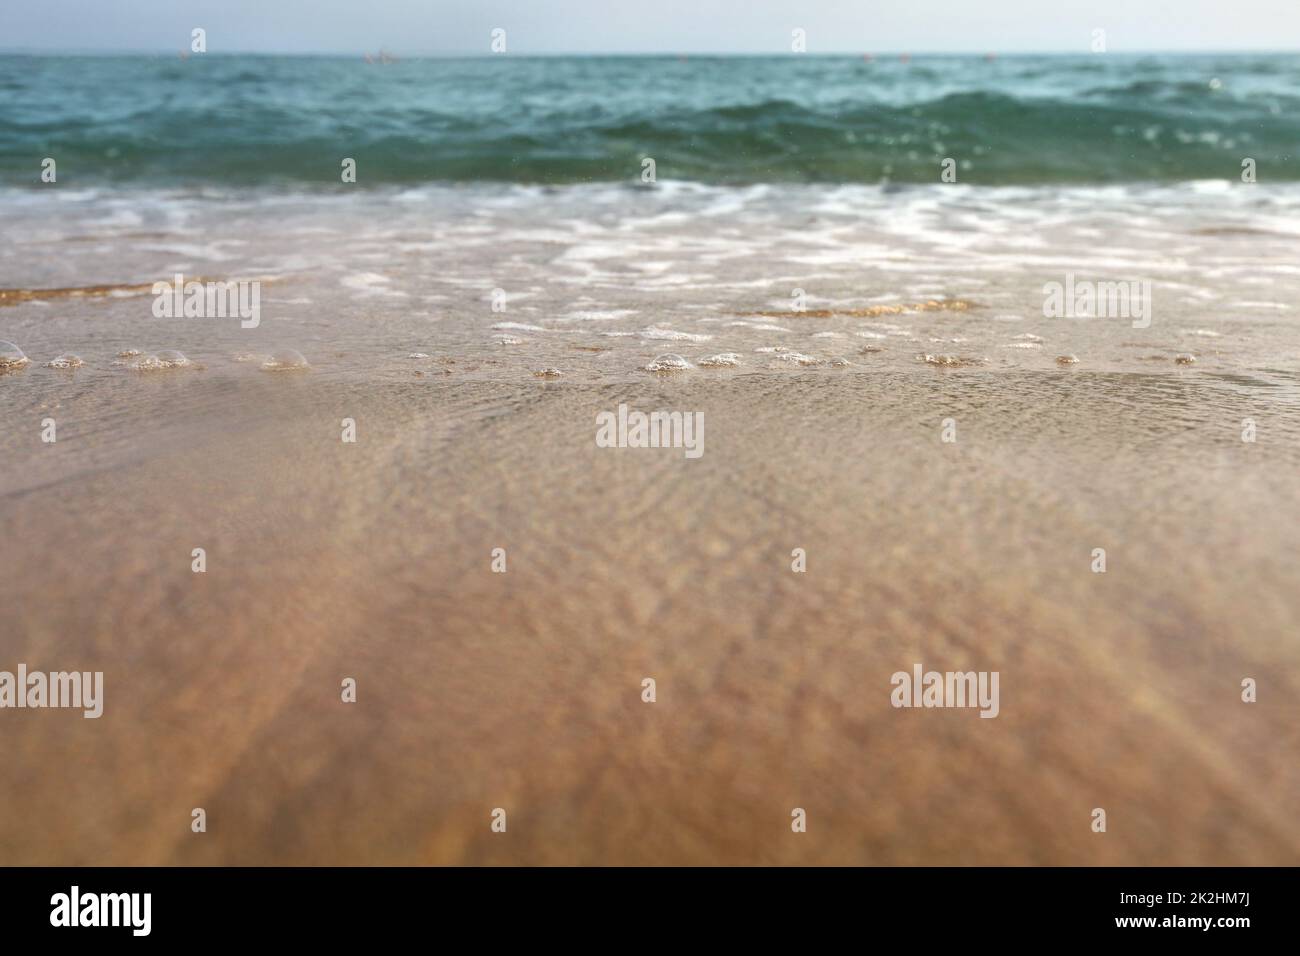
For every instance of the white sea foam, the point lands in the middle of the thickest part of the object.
(655, 333)
(518, 327)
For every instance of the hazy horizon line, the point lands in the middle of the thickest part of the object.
(645, 54)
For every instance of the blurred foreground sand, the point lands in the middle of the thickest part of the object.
(522, 690)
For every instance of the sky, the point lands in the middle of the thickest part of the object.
(464, 27)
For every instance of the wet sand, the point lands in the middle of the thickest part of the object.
(521, 690)
(477, 690)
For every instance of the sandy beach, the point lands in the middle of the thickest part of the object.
(477, 690)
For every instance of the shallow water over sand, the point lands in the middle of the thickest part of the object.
(373, 560)
(596, 281)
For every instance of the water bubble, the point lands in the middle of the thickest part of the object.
(721, 360)
(668, 362)
(66, 360)
(11, 356)
(797, 358)
(285, 360)
(166, 359)
(951, 361)
(787, 355)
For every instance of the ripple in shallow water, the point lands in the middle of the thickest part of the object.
(668, 362)
(932, 305)
(66, 360)
(285, 360)
(11, 356)
(1067, 360)
(548, 373)
(1184, 360)
(758, 326)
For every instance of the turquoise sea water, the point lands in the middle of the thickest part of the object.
(250, 120)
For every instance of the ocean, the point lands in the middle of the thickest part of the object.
(1010, 120)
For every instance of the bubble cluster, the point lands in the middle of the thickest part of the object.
(285, 360)
(797, 358)
(950, 361)
(721, 360)
(668, 362)
(11, 356)
(166, 359)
